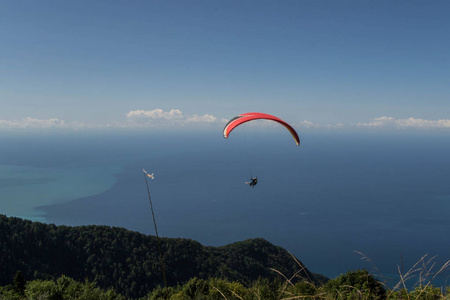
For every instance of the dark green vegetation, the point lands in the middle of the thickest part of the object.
(40, 261)
(128, 262)
(352, 285)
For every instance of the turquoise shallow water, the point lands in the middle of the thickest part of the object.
(36, 171)
(23, 188)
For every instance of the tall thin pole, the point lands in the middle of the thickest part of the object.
(156, 231)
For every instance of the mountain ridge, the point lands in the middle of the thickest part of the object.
(128, 261)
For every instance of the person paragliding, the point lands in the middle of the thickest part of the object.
(247, 117)
(253, 181)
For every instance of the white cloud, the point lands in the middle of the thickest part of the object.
(176, 119)
(156, 114)
(32, 123)
(310, 125)
(381, 123)
(156, 118)
(378, 122)
(421, 123)
(161, 118)
(307, 124)
(391, 122)
(51, 124)
(207, 118)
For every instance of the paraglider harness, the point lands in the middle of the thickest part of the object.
(253, 181)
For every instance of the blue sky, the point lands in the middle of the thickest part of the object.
(316, 64)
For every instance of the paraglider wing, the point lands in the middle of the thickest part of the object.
(238, 120)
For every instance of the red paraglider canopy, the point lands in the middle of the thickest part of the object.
(243, 118)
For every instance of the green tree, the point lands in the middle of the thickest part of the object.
(67, 288)
(19, 283)
(196, 288)
(222, 289)
(267, 289)
(427, 293)
(358, 284)
(39, 289)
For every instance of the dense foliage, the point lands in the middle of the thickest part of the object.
(352, 285)
(128, 262)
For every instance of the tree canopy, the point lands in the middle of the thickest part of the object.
(128, 261)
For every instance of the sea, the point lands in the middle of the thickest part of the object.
(341, 201)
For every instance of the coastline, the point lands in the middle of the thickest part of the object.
(29, 189)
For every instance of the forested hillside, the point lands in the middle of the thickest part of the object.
(128, 261)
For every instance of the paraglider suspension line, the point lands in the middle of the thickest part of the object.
(156, 231)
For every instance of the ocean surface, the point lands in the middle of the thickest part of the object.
(340, 201)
